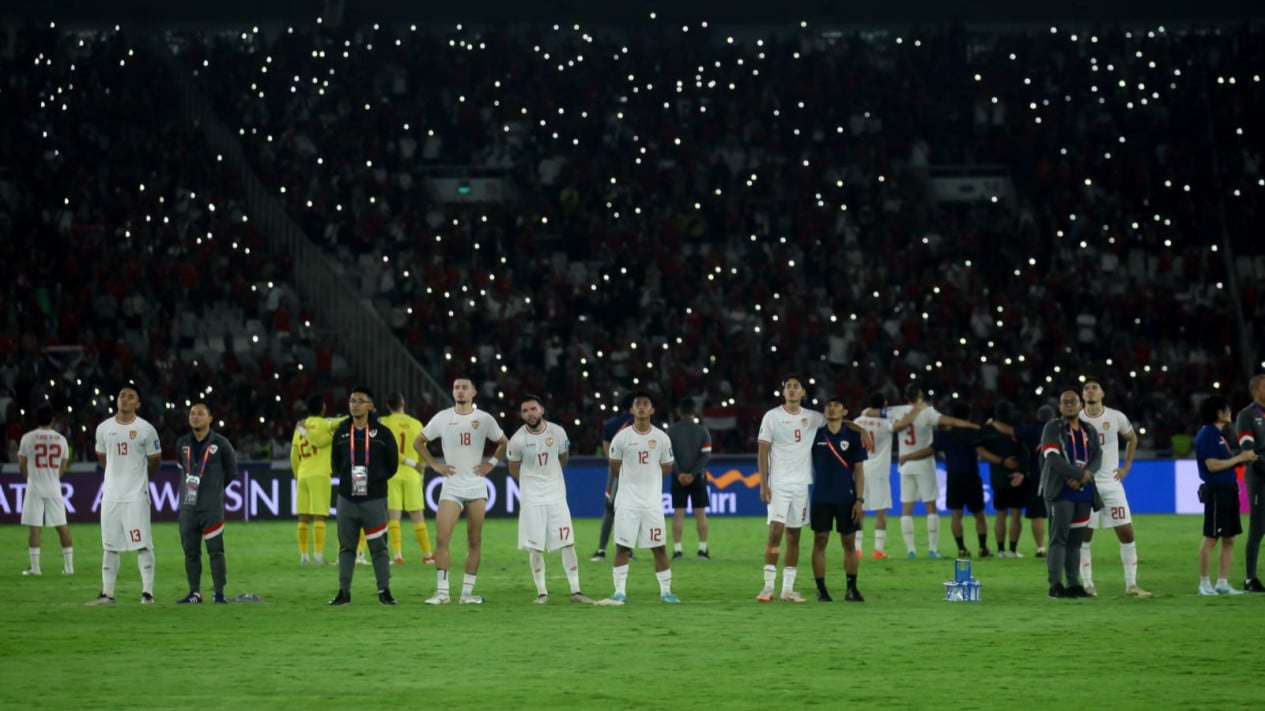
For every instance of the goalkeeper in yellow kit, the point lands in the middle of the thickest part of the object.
(404, 490)
(309, 460)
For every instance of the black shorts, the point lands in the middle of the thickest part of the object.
(1006, 496)
(1034, 505)
(1221, 511)
(821, 516)
(965, 492)
(695, 492)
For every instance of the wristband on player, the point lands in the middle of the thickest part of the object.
(411, 462)
(860, 499)
(493, 461)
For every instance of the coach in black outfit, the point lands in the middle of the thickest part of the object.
(363, 456)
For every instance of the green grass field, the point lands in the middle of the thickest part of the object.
(904, 648)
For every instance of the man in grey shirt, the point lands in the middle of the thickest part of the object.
(692, 445)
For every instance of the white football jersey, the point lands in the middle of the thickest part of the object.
(127, 448)
(463, 438)
(881, 429)
(44, 451)
(1111, 424)
(790, 439)
(919, 434)
(641, 457)
(540, 474)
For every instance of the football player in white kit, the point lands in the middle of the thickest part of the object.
(128, 449)
(463, 430)
(878, 482)
(537, 454)
(1112, 426)
(43, 455)
(785, 468)
(640, 457)
(918, 467)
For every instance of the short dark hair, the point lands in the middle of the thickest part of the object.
(1091, 379)
(203, 403)
(796, 377)
(1210, 406)
(835, 398)
(315, 404)
(131, 385)
(363, 390)
(912, 391)
(463, 376)
(44, 415)
(1004, 411)
(638, 394)
(529, 397)
(1046, 412)
(395, 400)
(878, 400)
(685, 406)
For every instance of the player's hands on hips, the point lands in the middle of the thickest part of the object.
(766, 493)
(685, 479)
(1122, 472)
(445, 469)
(482, 469)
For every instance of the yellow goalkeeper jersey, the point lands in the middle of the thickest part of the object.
(406, 429)
(309, 448)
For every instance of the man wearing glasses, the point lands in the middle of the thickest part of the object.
(363, 456)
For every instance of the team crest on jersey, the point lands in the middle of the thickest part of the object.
(1106, 426)
(549, 441)
(215, 448)
(373, 433)
(653, 443)
(803, 421)
(844, 445)
(131, 434)
(475, 424)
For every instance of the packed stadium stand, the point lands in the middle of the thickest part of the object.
(697, 210)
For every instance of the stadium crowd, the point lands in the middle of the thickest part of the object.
(688, 210)
(126, 255)
(698, 212)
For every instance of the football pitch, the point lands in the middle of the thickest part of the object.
(905, 647)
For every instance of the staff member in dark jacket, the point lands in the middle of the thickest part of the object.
(1070, 454)
(207, 463)
(363, 456)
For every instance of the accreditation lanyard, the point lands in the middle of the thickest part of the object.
(351, 445)
(1080, 449)
(835, 452)
(188, 459)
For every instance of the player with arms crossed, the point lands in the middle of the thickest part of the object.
(1112, 425)
(537, 453)
(43, 455)
(463, 430)
(878, 487)
(309, 460)
(918, 467)
(129, 451)
(640, 457)
(404, 490)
